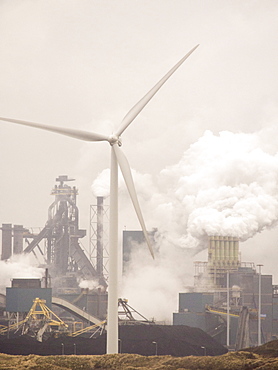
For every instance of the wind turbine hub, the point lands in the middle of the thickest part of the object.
(114, 139)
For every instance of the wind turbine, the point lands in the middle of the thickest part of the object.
(117, 158)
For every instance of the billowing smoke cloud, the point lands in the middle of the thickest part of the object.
(152, 286)
(224, 184)
(19, 266)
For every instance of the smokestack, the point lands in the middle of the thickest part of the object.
(222, 256)
(47, 279)
(18, 239)
(223, 252)
(6, 241)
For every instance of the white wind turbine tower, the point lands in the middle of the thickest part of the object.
(117, 158)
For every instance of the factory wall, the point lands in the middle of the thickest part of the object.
(194, 302)
(192, 319)
(192, 311)
(275, 317)
(249, 284)
(131, 238)
(192, 307)
(266, 307)
(21, 299)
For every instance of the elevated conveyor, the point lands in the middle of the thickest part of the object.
(221, 311)
(71, 308)
(43, 234)
(242, 338)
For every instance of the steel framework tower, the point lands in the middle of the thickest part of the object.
(99, 238)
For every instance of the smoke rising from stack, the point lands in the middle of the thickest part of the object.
(225, 184)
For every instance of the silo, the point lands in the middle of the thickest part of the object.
(211, 250)
(231, 249)
(226, 251)
(222, 256)
(236, 250)
(222, 249)
(217, 249)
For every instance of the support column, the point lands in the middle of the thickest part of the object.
(112, 314)
(6, 241)
(18, 239)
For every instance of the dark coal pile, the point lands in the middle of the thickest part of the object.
(269, 349)
(171, 340)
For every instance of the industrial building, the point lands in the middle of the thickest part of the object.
(231, 300)
(58, 244)
(58, 250)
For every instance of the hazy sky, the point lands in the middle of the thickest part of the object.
(86, 63)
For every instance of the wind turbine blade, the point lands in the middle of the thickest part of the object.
(77, 134)
(144, 101)
(125, 169)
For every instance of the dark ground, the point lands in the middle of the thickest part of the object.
(177, 340)
(269, 349)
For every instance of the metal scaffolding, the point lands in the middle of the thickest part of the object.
(99, 233)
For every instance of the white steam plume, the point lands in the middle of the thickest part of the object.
(224, 184)
(100, 186)
(90, 284)
(19, 266)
